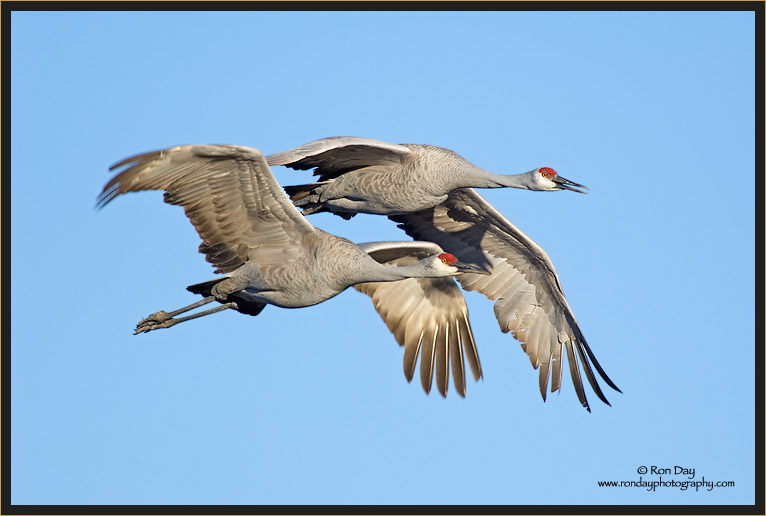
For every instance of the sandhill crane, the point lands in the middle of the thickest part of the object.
(271, 255)
(427, 191)
(359, 175)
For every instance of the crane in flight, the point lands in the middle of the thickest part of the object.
(429, 192)
(270, 254)
(359, 175)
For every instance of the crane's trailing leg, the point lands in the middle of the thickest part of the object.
(162, 315)
(308, 199)
(163, 319)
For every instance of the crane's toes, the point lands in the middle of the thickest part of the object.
(157, 317)
(149, 326)
(309, 199)
(155, 321)
(141, 329)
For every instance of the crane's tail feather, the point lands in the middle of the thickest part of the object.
(205, 288)
(243, 306)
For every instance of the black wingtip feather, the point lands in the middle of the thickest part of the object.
(598, 367)
(589, 374)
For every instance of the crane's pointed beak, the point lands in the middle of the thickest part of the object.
(469, 267)
(566, 184)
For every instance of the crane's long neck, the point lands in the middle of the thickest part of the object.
(481, 178)
(380, 272)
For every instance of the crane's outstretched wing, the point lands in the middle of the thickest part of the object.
(337, 155)
(530, 301)
(427, 316)
(228, 193)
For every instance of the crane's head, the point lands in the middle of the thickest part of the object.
(546, 179)
(446, 264)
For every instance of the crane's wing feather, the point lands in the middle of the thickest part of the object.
(337, 155)
(428, 317)
(530, 302)
(229, 194)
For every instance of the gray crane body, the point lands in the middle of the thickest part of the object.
(424, 179)
(270, 254)
(328, 263)
(358, 175)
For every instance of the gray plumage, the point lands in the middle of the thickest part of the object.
(271, 255)
(359, 175)
(426, 190)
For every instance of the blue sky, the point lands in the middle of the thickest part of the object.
(654, 112)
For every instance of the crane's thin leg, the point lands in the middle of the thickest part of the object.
(164, 319)
(163, 315)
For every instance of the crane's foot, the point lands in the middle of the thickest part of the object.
(156, 321)
(163, 319)
(308, 209)
(310, 198)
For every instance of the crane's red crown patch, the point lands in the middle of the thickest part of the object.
(447, 258)
(550, 171)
